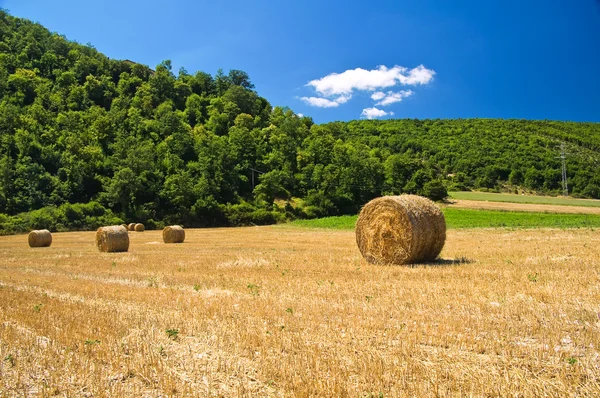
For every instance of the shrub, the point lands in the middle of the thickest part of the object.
(67, 217)
(435, 190)
(246, 214)
(592, 191)
(317, 204)
(263, 217)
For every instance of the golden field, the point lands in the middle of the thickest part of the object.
(283, 311)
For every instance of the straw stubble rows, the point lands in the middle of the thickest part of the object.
(276, 311)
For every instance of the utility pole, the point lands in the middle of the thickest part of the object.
(255, 171)
(563, 158)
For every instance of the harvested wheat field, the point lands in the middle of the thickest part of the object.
(282, 311)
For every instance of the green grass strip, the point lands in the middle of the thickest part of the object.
(467, 218)
(511, 198)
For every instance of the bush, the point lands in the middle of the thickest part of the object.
(263, 217)
(238, 214)
(314, 212)
(246, 214)
(434, 190)
(150, 224)
(67, 217)
(317, 205)
(40, 219)
(458, 186)
(592, 191)
(206, 212)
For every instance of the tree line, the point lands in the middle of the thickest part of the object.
(85, 140)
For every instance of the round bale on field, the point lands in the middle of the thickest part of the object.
(40, 238)
(112, 239)
(125, 226)
(173, 234)
(139, 227)
(403, 229)
(131, 227)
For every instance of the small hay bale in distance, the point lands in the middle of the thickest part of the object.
(400, 230)
(173, 234)
(125, 226)
(40, 238)
(112, 239)
(131, 227)
(139, 227)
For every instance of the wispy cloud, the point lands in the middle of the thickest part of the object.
(390, 97)
(377, 96)
(370, 80)
(373, 113)
(326, 103)
(342, 99)
(319, 102)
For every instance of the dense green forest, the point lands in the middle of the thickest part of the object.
(87, 140)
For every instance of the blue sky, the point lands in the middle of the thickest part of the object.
(404, 59)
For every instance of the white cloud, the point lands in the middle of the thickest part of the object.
(377, 96)
(370, 80)
(392, 97)
(372, 113)
(319, 102)
(300, 115)
(326, 103)
(342, 99)
(337, 88)
(418, 75)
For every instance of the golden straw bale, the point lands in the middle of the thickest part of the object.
(131, 227)
(125, 226)
(40, 238)
(403, 229)
(173, 234)
(139, 228)
(112, 239)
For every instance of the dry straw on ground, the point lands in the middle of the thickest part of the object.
(112, 239)
(402, 229)
(173, 234)
(266, 312)
(41, 238)
(131, 227)
(139, 228)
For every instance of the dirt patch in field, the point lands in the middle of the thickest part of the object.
(535, 208)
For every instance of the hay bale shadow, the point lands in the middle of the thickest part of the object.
(445, 262)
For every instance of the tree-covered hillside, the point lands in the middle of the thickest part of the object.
(85, 139)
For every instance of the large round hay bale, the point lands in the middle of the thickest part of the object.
(131, 227)
(139, 228)
(173, 234)
(112, 239)
(40, 238)
(125, 226)
(403, 229)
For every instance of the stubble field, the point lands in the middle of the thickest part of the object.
(284, 311)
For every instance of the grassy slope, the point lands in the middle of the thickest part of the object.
(510, 198)
(464, 218)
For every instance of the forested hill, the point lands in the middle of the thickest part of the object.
(86, 140)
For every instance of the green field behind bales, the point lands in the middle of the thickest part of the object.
(466, 218)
